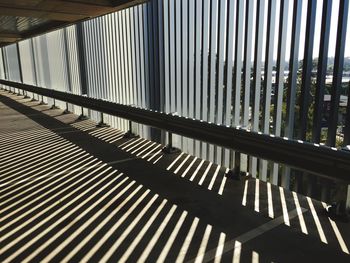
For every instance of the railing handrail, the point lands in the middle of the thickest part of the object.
(319, 159)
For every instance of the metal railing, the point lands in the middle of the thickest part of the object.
(262, 65)
(322, 160)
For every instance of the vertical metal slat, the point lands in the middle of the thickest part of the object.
(230, 27)
(292, 81)
(337, 72)
(238, 62)
(279, 84)
(260, 18)
(307, 68)
(271, 20)
(212, 80)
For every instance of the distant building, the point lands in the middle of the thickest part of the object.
(343, 102)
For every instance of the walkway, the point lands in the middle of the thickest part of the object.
(72, 192)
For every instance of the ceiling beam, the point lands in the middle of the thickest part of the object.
(8, 40)
(57, 13)
(32, 12)
(45, 28)
(121, 4)
(107, 3)
(61, 10)
(73, 7)
(10, 35)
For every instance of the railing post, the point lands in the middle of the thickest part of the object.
(33, 99)
(19, 92)
(53, 107)
(325, 189)
(129, 134)
(42, 100)
(347, 198)
(19, 68)
(340, 207)
(169, 148)
(66, 111)
(102, 124)
(82, 116)
(236, 172)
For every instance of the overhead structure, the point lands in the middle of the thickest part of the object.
(20, 19)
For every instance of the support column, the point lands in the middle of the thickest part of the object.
(81, 58)
(155, 50)
(19, 67)
(3, 62)
(34, 66)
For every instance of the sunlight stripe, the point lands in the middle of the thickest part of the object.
(181, 164)
(115, 226)
(317, 221)
(84, 241)
(203, 245)
(220, 248)
(205, 174)
(75, 220)
(189, 167)
(61, 219)
(171, 239)
(257, 195)
(300, 214)
(130, 227)
(214, 178)
(269, 200)
(142, 233)
(185, 246)
(284, 207)
(340, 239)
(172, 164)
(156, 235)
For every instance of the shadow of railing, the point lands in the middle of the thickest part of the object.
(58, 202)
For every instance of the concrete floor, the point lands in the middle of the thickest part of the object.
(72, 192)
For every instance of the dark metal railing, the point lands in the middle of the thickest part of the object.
(319, 159)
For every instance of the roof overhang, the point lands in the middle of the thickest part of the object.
(21, 19)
